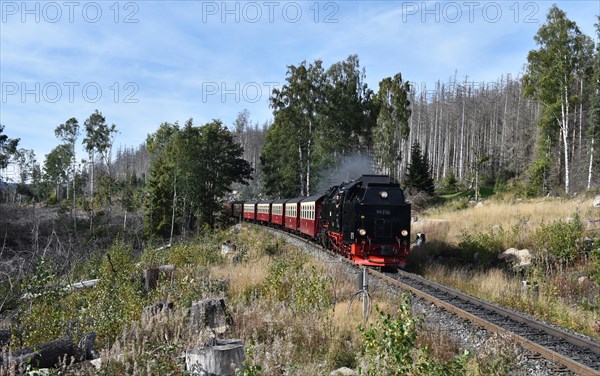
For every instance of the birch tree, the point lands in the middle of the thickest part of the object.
(594, 113)
(551, 76)
(298, 104)
(392, 128)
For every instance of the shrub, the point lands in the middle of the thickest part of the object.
(200, 252)
(482, 248)
(561, 239)
(595, 258)
(117, 299)
(390, 347)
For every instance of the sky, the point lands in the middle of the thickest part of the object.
(142, 63)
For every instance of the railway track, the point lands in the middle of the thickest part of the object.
(573, 352)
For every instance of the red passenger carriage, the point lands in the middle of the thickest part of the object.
(263, 211)
(292, 213)
(277, 212)
(310, 214)
(250, 210)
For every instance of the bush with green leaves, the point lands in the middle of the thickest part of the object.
(114, 302)
(482, 248)
(305, 289)
(45, 315)
(561, 239)
(390, 347)
(200, 252)
(595, 257)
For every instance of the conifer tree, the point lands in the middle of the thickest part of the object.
(418, 175)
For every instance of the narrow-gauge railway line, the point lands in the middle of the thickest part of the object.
(572, 351)
(578, 354)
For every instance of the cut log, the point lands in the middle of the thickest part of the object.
(82, 285)
(50, 354)
(212, 314)
(220, 359)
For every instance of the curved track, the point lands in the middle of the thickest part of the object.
(572, 351)
(576, 353)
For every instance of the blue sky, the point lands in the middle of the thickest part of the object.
(142, 63)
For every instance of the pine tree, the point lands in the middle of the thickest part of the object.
(418, 175)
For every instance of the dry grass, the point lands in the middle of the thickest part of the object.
(493, 284)
(444, 225)
(561, 296)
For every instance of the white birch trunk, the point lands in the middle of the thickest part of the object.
(565, 129)
(590, 169)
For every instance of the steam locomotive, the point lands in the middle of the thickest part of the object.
(366, 220)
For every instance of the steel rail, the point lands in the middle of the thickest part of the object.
(547, 353)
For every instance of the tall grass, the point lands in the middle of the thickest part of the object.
(552, 229)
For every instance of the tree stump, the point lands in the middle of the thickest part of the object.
(220, 359)
(150, 278)
(212, 314)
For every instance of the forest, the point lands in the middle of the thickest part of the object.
(534, 134)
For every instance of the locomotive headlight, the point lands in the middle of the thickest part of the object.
(383, 194)
(362, 232)
(404, 232)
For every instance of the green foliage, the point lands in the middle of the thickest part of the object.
(482, 248)
(561, 239)
(450, 183)
(392, 122)
(7, 148)
(249, 368)
(113, 303)
(192, 168)
(306, 290)
(418, 174)
(194, 253)
(44, 318)
(595, 258)
(319, 117)
(117, 299)
(553, 70)
(390, 347)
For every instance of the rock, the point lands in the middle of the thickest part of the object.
(228, 248)
(97, 363)
(583, 280)
(220, 359)
(212, 314)
(596, 202)
(479, 205)
(344, 371)
(518, 257)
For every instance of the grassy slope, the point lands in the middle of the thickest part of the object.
(562, 299)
